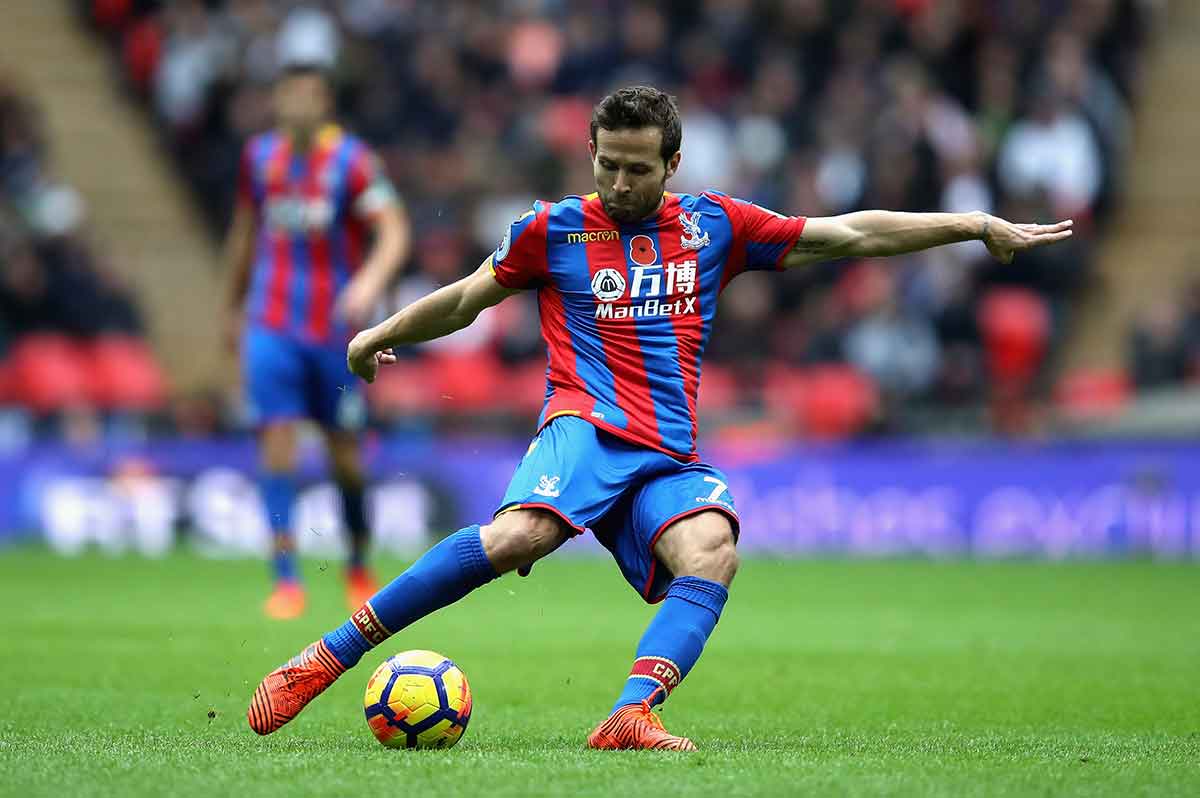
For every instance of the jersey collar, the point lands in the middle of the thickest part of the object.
(668, 206)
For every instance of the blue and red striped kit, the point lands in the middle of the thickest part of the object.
(627, 309)
(313, 211)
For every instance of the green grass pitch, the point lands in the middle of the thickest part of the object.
(131, 677)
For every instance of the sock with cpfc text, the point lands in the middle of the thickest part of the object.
(443, 575)
(674, 639)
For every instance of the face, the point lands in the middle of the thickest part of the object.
(302, 102)
(629, 170)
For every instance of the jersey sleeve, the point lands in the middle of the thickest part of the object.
(520, 260)
(370, 191)
(761, 237)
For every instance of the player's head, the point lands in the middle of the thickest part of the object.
(303, 99)
(635, 136)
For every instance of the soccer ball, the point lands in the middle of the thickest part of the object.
(418, 699)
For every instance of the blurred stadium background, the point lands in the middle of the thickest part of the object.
(939, 402)
(936, 410)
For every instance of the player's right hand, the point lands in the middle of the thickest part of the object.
(363, 360)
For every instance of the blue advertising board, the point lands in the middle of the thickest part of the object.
(880, 499)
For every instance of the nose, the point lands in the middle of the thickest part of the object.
(621, 184)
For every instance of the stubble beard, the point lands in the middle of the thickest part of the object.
(632, 214)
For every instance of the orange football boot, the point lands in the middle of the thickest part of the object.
(288, 689)
(636, 727)
(286, 602)
(360, 586)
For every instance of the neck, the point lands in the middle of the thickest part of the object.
(304, 139)
(658, 208)
(661, 201)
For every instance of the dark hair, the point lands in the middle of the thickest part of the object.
(640, 106)
(296, 69)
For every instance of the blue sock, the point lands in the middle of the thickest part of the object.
(355, 512)
(673, 641)
(443, 575)
(278, 493)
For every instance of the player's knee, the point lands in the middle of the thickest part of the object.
(348, 473)
(278, 447)
(717, 561)
(704, 548)
(521, 537)
(342, 463)
(344, 458)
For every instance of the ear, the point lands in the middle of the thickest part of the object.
(591, 149)
(673, 165)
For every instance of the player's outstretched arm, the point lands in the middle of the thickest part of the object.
(442, 312)
(877, 234)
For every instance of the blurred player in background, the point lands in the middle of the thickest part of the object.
(627, 281)
(309, 198)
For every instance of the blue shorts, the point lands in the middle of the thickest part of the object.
(286, 378)
(625, 494)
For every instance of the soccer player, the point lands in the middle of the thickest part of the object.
(309, 197)
(627, 279)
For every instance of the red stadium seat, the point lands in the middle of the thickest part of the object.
(839, 402)
(565, 123)
(1016, 327)
(403, 388)
(1092, 393)
(719, 390)
(524, 389)
(1015, 324)
(783, 386)
(467, 382)
(6, 382)
(827, 402)
(141, 51)
(111, 14)
(49, 372)
(125, 375)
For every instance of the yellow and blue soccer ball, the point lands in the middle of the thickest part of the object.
(418, 699)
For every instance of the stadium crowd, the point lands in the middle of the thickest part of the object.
(1164, 342)
(70, 330)
(52, 278)
(1017, 107)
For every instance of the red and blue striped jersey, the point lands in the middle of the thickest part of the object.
(626, 310)
(313, 211)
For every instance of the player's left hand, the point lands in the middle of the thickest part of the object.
(363, 360)
(356, 303)
(1004, 239)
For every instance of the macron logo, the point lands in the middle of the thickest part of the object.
(591, 236)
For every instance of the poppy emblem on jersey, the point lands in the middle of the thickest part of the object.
(694, 237)
(641, 251)
(608, 285)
